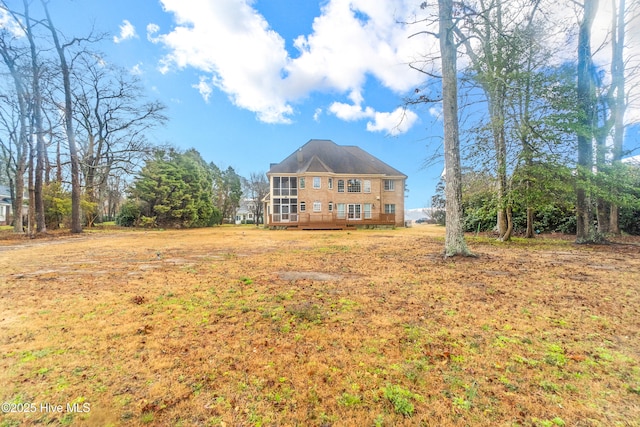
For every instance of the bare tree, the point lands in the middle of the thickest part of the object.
(76, 191)
(41, 226)
(586, 105)
(257, 188)
(14, 119)
(619, 20)
(112, 119)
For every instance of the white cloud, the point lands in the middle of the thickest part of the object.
(349, 112)
(152, 30)
(127, 31)
(317, 114)
(204, 87)
(136, 70)
(246, 59)
(7, 22)
(395, 123)
(436, 112)
(234, 44)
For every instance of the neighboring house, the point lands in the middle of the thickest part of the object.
(6, 206)
(245, 212)
(325, 186)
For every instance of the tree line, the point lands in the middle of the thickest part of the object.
(74, 128)
(70, 122)
(546, 130)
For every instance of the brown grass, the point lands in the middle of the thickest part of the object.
(238, 326)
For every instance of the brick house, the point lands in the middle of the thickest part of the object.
(328, 186)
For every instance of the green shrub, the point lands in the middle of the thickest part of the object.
(129, 215)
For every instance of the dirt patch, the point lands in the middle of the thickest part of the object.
(309, 275)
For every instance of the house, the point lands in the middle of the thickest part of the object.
(245, 214)
(328, 186)
(6, 207)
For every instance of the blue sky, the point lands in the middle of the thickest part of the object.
(286, 72)
(248, 82)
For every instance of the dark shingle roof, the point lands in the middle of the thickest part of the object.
(321, 155)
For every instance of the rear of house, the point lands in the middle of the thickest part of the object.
(328, 186)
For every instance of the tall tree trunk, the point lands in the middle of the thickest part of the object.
(76, 215)
(529, 234)
(586, 104)
(602, 205)
(58, 162)
(455, 243)
(617, 80)
(31, 217)
(41, 225)
(505, 226)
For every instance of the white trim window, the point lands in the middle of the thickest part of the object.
(354, 186)
(389, 185)
(354, 211)
(341, 186)
(330, 183)
(367, 186)
(390, 209)
(367, 211)
(317, 206)
(303, 206)
(341, 210)
(316, 182)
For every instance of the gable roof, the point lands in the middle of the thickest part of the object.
(323, 155)
(5, 195)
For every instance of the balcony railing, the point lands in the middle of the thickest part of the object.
(302, 220)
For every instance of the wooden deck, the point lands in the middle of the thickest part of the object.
(331, 222)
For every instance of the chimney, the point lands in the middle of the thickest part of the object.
(299, 155)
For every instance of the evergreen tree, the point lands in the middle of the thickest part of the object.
(175, 190)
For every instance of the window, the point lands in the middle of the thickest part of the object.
(317, 206)
(301, 182)
(354, 211)
(389, 209)
(330, 206)
(367, 186)
(316, 182)
(341, 210)
(341, 186)
(285, 210)
(354, 186)
(285, 186)
(367, 211)
(330, 183)
(303, 207)
(389, 185)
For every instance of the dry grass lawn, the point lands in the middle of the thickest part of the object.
(238, 326)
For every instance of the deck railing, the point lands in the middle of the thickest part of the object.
(302, 220)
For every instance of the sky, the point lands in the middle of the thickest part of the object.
(247, 82)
